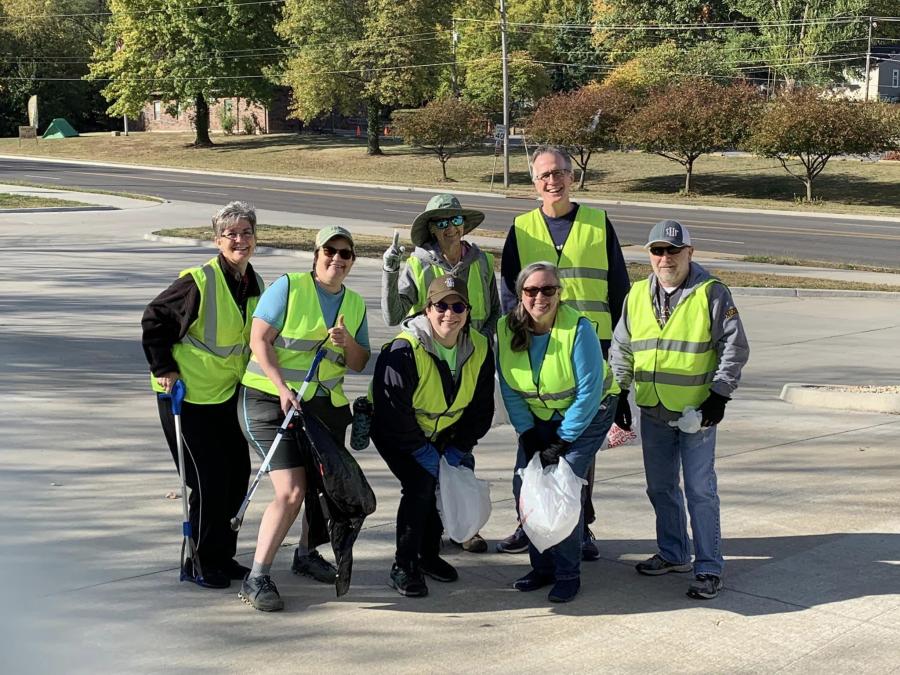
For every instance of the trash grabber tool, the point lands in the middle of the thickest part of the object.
(238, 520)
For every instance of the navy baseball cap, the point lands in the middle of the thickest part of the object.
(669, 232)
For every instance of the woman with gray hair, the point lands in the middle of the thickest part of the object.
(548, 356)
(198, 331)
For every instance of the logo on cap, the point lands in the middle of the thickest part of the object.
(450, 282)
(672, 231)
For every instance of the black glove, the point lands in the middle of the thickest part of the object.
(623, 412)
(552, 453)
(531, 443)
(712, 410)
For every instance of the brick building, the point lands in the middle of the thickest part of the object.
(266, 119)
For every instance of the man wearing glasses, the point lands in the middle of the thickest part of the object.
(582, 243)
(682, 344)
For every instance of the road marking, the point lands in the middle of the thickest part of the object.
(31, 175)
(719, 241)
(399, 211)
(204, 192)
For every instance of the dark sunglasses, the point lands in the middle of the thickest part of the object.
(457, 307)
(444, 223)
(331, 251)
(659, 251)
(546, 291)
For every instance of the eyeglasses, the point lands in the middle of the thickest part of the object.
(457, 307)
(234, 236)
(556, 174)
(331, 251)
(444, 223)
(546, 291)
(659, 251)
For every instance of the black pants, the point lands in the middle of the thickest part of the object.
(217, 466)
(419, 526)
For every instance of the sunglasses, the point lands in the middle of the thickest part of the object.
(457, 307)
(444, 223)
(331, 251)
(546, 291)
(659, 251)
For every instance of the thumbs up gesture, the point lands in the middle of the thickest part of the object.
(339, 334)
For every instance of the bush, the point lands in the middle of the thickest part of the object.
(249, 125)
(226, 121)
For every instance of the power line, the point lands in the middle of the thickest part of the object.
(144, 11)
(675, 27)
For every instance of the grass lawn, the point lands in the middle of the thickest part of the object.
(845, 186)
(373, 246)
(10, 201)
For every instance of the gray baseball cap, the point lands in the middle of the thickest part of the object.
(669, 232)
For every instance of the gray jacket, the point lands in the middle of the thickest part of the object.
(399, 292)
(727, 333)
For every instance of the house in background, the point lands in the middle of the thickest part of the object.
(884, 77)
(266, 119)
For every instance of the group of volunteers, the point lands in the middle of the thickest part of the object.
(566, 337)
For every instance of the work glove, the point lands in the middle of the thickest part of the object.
(391, 258)
(456, 457)
(531, 443)
(552, 453)
(428, 458)
(712, 410)
(623, 411)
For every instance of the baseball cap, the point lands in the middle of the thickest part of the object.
(445, 286)
(329, 232)
(670, 232)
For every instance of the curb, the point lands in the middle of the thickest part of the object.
(826, 396)
(61, 209)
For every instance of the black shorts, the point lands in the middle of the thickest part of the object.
(260, 418)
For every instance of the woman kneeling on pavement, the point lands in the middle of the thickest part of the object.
(433, 394)
(297, 315)
(552, 376)
(198, 331)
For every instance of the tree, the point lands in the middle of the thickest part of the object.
(186, 52)
(689, 119)
(583, 121)
(805, 125)
(347, 54)
(445, 126)
(528, 82)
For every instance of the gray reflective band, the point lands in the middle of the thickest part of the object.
(218, 351)
(211, 322)
(334, 357)
(436, 416)
(674, 378)
(582, 273)
(295, 375)
(296, 345)
(588, 305)
(671, 346)
(568, 393)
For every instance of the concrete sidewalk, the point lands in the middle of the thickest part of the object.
(90, 199)
(810, 512)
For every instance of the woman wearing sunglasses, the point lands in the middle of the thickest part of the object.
(552, 387)
(297, 315)
(433, 393)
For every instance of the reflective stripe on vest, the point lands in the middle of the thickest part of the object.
(432, 412)
(304, 331)
(673, 365)
(212, 356)
(583, 264)
(478, 276)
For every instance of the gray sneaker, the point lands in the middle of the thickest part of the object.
(705, 587)
(313, 565)
(658, 565)
(260, 593)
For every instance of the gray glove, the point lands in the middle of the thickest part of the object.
(391, 257)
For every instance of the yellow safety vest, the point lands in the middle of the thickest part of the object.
(479, 275)
(304, 331)
(433, 413)
(673, 365)
(212, 356)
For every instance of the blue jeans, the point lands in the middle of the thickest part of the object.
(563, 561)
(667, 451)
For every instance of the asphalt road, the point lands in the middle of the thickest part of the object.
(839, 240)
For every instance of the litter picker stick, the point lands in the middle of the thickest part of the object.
(238, 520)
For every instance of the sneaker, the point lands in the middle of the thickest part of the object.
(408, 582)
(212, 578)
(517, 542)
(438, 569)
(476, 544)
(705, 587)
(235, 570)
(313, 565)
(260, 593)
(658, 565)
(532, 582)
(564, 591)
(589, 550)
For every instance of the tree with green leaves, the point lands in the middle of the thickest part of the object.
(689, 119)
(805, 125)
(376, 53)
(187, 52)
(445, 127)
(483, 87)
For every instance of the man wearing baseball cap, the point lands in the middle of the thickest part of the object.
(681, 343)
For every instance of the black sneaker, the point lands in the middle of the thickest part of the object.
(532, 582)
(589, 550)
(235, 570)
(658, 565)
(705, 587)
(564, 591)
(517, 542)
(211, 578)
(260, 592)
(438, 569)
(313, 565)
(408, 582)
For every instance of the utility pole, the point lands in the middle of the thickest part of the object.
(868, 60)
(505, 58)
(453, 72)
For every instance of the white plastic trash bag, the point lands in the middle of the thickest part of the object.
(549, 502)
(463, 501)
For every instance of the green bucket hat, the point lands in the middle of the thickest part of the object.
(442, 206)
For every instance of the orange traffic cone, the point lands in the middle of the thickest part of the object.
(358, 132)
(387, 131)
